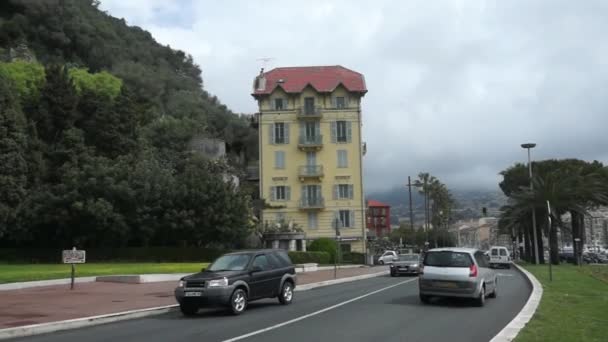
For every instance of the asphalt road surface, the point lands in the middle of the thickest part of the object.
(376, 309)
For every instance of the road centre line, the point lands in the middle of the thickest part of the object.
(257, 332)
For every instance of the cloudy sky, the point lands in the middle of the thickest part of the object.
(454, 86)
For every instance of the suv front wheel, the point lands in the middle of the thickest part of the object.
(238, 301)
(286, 295)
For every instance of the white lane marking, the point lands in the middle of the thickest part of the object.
(257, 332)
(504, 275)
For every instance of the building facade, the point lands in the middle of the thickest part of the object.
(311, 149)
(378, 218)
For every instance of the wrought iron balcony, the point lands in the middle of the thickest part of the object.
(308, 142)
(309, 113)
(310, 171)
(312, 203)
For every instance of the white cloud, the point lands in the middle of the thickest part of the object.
(454, 86)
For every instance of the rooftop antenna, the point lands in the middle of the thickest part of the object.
(265, 61)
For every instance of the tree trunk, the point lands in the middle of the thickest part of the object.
(529, 257)
(574, 219)
(539, 237)
(553, 244)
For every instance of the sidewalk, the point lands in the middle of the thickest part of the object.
(57, 303)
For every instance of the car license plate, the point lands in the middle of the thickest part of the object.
(403, 267)
(445, 284)
(193, 294)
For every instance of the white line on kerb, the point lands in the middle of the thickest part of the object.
(257, 332)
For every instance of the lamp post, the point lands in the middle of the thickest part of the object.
(419, 184)
(530, 146)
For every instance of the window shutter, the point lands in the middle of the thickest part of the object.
(304, 194)
(336, 192)
(273, 193)
(352, 218)
(336, 219)
(334, 103)
(317, 128)
(282, 159)
(334, 132)
(346, 101)
(345, 158)
(351, 191)
(271, 133)
(286, 125)
(302, 130)
(349, 131)
(288, 193)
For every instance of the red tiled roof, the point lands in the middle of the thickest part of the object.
(321, 78)
(374, 203)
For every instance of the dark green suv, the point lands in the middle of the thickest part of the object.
(235, 279)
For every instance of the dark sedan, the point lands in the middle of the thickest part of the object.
(406, 264)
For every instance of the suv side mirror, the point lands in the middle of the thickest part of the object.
(203, 269)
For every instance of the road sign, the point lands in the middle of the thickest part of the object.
(74, 256)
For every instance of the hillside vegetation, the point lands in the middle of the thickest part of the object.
(96, 120)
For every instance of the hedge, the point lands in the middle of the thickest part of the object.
(309, 257)
(129, 254)
(324, 245)
(353, 258)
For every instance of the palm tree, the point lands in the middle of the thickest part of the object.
(567, 190)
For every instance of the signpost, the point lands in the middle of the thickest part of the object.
(73, 256)
(550, 227)
(337, 223)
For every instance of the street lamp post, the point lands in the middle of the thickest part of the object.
(530, 146)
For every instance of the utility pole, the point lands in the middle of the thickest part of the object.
(409, 188)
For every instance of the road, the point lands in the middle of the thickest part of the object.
(377, 309)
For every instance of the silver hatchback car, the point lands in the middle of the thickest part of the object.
(457, 272)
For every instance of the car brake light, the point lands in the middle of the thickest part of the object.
(473, 271)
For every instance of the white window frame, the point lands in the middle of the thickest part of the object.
(345, 218)
(344, 126)
(279, 132)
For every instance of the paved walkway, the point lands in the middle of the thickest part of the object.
(56, 303)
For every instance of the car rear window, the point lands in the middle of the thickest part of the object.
(494, 251)
(447, 259)
(503, 252)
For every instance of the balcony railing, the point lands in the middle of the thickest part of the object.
(312, 203)
(309, 112)
(311, 171)
(310, 141)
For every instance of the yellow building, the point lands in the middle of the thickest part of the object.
(311, 150)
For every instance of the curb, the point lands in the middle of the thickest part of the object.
(38, 283)
(36, 329)
(509, 332)
(43, 328)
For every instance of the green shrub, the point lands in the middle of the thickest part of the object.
(309, 257)
(353, 258)
(324, 245)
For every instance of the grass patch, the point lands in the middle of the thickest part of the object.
(574, 307)
(10, 273)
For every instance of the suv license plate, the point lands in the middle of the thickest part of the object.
(193, 294)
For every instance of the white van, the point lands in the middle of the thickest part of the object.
(499, 256)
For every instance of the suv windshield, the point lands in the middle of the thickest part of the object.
(234, 262)
(447, 259)
(411, 257)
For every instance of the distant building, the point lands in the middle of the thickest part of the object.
(378, 218)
